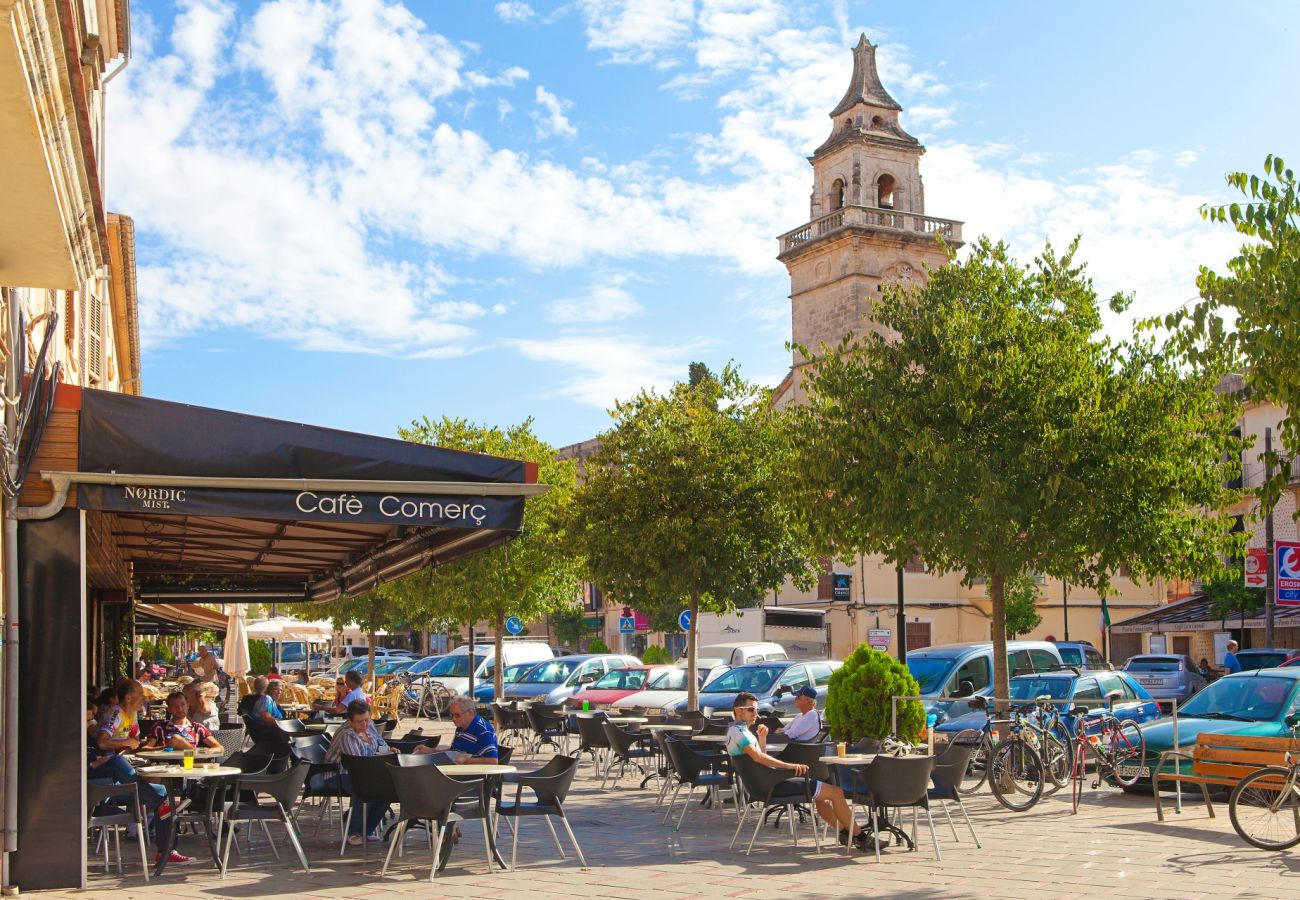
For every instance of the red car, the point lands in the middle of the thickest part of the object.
(616, 684)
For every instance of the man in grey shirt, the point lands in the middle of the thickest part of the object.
(808, 724)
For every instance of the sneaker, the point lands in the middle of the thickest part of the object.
(183, 805)
(373, 838)
(164, 811)
(175, 859)
(863, 841)
(355, 840)
(844, 837)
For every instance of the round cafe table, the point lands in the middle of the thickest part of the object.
(175, 777)
(626, 720)
(488, 772)
(660, 726)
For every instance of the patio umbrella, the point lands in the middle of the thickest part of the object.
(236, 649)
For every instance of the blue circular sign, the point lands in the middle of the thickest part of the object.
(513, 625)
(684, 620)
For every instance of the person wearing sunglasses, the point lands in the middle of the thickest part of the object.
(831, 804)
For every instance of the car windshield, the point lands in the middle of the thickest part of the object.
(755, 679)
(1152, 664)
(1071, 656)
(672, 680)
(930, 672)
(1252, 659)
(623, 679)
(454, 666)
(1253, 699)
(1032, 688)
(512, 674)
(557, 671)
(425, 665)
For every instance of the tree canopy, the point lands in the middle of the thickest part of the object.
(988, 427)
(682, 505)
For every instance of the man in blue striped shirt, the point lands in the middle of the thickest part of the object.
(476, 740)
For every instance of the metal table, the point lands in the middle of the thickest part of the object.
(175, 777)
(860, 761)
(487, 772)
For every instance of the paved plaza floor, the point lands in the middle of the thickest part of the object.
(1113, 848)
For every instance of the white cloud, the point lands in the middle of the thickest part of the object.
(514, 11)
(550, 118)
(603, 368)
(604, 302)
(635, 31)
(1185, 158)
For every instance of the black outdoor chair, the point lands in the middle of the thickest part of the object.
(372, 782)
(283, 789)
(591, 737)
(505, 722)
(425, 794)
(408, 745)
(547, 725)
(111, 808)
(328, 788)
(230, 739)
(812, 756)
(624, 749)
(550, 786)
(949, 769)
(291, 726)
(690, 768)
(764, 787)
(901, 782)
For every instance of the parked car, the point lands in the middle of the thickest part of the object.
(773, 683)
(420, 666)
(1294, 661)
(1166, 676)
(1080, 688)
(455, 669)
(1264, 657)
(947, 673)
(616, 684)
(668, 691)
(1082, 655)
(736, 654)
(556, 680)
(1246, 703)
(484, 692)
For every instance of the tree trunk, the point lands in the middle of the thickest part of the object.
(498, 670)
(370, 666)
(1001, 680)
(470, 675)
(692, 688)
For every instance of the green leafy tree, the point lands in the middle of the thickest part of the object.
(682, 505)
(535, 574)
(1230, 597)
(1248, 320)
(379, 609)
(1022, 605)
(990, 428)
(259, 657)
(569, 627)
(859, 697)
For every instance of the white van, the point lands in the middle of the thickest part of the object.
(736, 654)
(454, 669)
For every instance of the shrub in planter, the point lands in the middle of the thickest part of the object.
(260, 659)
(598, 646)
(656, 656)
(857, 699)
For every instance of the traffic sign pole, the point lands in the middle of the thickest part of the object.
(1271, 588)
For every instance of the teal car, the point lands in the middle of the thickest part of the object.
(1247, 703)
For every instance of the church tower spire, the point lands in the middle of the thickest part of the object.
(867, 224)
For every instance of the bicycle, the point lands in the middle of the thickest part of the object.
(427, 700)
(1265, 805)
(1051, 738)
(1012, 766)
(1117, 746)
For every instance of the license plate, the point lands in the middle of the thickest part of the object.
(1133, 771)
(1151, 682)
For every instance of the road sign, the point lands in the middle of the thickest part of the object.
(1257, 567)
(626, 625)
(684, 620)
(1287, 557)
(841, 583)
(513, 625)
(878, 638)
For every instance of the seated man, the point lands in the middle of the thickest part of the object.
(201, 707)
(178, 731)
(831, 805)
(808, 724)
(476, 739)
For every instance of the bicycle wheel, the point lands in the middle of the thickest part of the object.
(1128, 752)
(1016, 775)
(1078, 772)
(977, 769)
(1265, 808)
(1056, 762)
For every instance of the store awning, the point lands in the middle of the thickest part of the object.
(168, 618)
(222, 506)
(1193, 614)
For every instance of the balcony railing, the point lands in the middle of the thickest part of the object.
(874, 218)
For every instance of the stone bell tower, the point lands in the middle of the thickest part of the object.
(867, 219)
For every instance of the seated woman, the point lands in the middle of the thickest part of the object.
(358, 737)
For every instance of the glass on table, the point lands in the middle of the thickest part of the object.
(187, 760)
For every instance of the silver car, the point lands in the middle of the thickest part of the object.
(1166, 676)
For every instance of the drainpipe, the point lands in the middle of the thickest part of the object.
(9, 639)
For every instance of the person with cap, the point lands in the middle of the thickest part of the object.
(808, 724)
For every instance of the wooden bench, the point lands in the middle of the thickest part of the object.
(1220, 760)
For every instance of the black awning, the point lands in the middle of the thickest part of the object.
(212, 504)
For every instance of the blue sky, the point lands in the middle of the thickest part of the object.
(361, 212)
